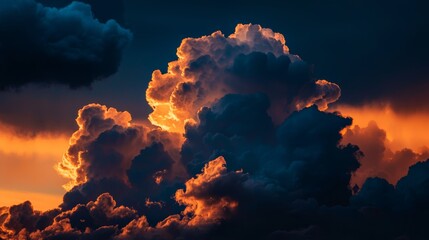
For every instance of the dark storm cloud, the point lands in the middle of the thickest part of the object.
(399, 209)
(22, 217)
(239, 128)
(291, 180)
(248, 175)
(103, 10)
(143, 191)
(48, 45)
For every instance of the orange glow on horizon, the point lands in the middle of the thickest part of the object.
(27, 164)
(402, 131)
(40, 201)
(43, 143)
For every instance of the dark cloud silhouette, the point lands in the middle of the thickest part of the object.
(103, 10)
(239, 128)
(46, 45)
(23, 219)
(149, 187)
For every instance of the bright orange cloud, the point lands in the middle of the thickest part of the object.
(205, 210)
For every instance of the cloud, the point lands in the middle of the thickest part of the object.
(238, 127)
(67, 45)
(252, 59)
(102, 147)
(402, 208)
(98, 219)
(379, 159)
(259, 158)
(134, 164)
(201, 204)
(22, 218)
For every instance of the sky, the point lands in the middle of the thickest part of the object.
(129, 119)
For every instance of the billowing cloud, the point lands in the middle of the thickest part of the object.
(238, 127)
(252, 59)
(102, 147)
(46, 45)
(134, 164)
(259, 158)
(206, 208)
(22, 219)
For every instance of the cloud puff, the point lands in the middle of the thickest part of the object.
(98, 219)
(239, 128)
(21, 219)
(102, 147)
(252, 59)
(201, 204)
(132, 163)
(396, 211)
(48, 45)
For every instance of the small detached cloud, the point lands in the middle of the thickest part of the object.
(45, 45)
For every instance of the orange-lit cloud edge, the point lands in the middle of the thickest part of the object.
(402, 131)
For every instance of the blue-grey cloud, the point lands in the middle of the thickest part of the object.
(45, 45)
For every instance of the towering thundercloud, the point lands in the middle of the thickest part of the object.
(240, 147)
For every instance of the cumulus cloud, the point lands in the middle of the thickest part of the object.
(102, 147)
(22, 219)
(239, 128)
(133, 163)
(258, 159)
(252, 59)
(47, 45)
(206, 208)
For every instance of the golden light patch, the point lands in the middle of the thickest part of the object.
(40, 201)
(402, 131)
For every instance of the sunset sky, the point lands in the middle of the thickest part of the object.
(129, 119)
